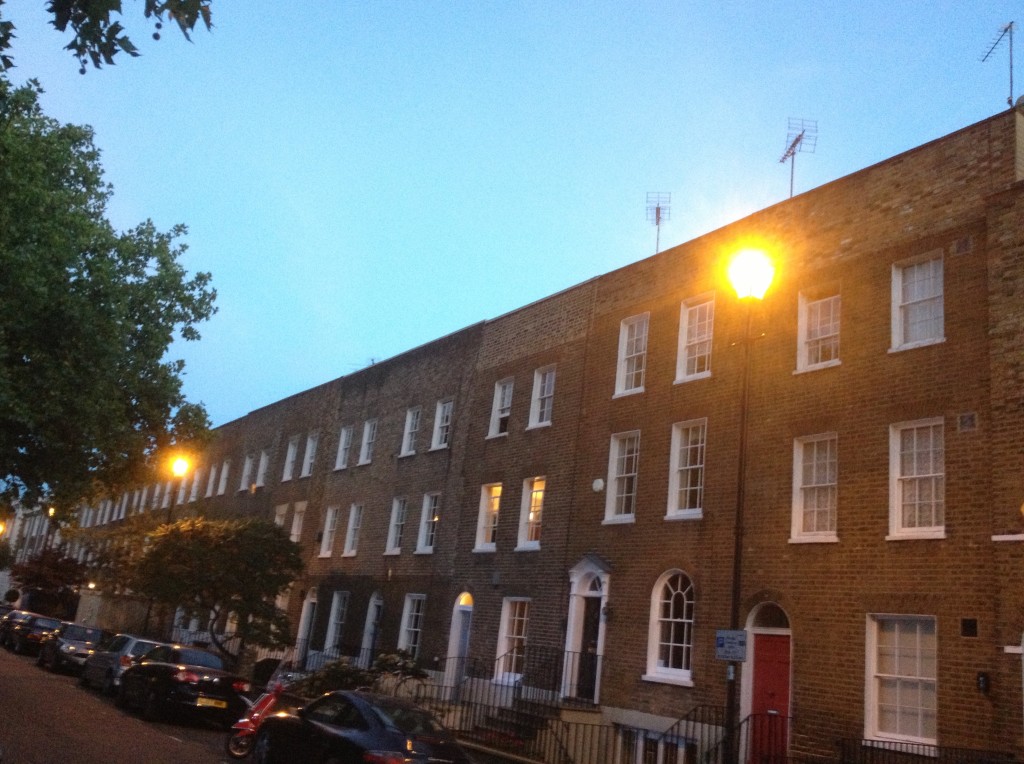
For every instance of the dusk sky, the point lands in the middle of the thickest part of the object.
(364, 177)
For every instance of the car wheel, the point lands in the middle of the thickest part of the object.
(108, 687)
(121, 698)
(152, 709)
(261, 750)
(19, 646)
(83, 680)
(39, 659)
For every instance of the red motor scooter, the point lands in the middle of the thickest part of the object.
(243, 732)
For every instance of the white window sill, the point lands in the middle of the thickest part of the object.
(916, 535)
(494, 435)
(362, 463)
(489, 549)
(537, 425)
(286, 480)
(403, 454)
(692, 377)
(624, 393)
(1009, 537)
(679, 681)
(873, 741)
(817, 366)
(825, 538)
(619, 520)
(529, 546)
(392, 552)
(425, 550)
(305, 476)
(686, 514)
(349, 554)
(919, 344)
(324, 555)
(340, 468)
(439, 448)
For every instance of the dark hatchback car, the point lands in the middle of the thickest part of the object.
(345, 726)
(8, 621)
(173, 678)
(25, 635)
(112, 657)
(67, 648)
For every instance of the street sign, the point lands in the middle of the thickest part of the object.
(731, 645)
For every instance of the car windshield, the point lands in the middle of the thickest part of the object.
(412, 721)
(200, 658)
(82, 633)
(47, 623)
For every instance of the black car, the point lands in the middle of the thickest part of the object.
(25, 635)
(173, 678)
(8, 621)
(68, 647)
(345, 726)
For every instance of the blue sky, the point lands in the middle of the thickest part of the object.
(364, 177)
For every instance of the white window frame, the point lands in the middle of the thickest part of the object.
(906, 305)
(297, 516)
(631, 368)
(396, 527)
(662, 631)
(412, 427)
(222, 486)
(442, 424)
(531, 513)
(344, 447)
(336, 622)
(309, 457)
(501, 408)
(623, 477)
(542, 401)
(330, 530)
(819, 322)
(488, 518)
(261, 469)
(696, 334)
(512, 640)
(355, 522)
(686, 471)
(197, 478)
(410, 638)
(369, 438)
(243, 483)
(430, 516)
(211, 484)
(903, 482)
(903, 656)
(280, 513)
(815, 478)
(289, 460)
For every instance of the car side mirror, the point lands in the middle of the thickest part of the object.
(300, 712)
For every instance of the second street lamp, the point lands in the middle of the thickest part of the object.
(750, 272)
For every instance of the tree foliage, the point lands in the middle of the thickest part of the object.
(222, 569)
(98, 33)
(51, 580)
(87, 315)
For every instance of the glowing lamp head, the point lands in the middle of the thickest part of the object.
(179, 467)
(750, 273)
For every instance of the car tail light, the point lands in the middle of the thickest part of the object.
(125, 661)
(186, 676)
(384, 757)
(241, 686)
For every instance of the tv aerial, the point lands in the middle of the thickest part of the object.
(659, 209)
(1005, 32)
(803, 136)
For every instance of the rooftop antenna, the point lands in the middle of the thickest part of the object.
(803, 136)
(1007, 32)
(659, 209)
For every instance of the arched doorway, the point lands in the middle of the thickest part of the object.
(458, 645)
(584, 637)
(767, 692)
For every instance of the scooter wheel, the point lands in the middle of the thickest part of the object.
(239, 744)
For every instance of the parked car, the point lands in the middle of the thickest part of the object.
(8, 621)
(173, 678)
(66, 648)
(104, 667)
(357, 726)
(25, 635)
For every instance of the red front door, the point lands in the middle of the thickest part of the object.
(769, 703)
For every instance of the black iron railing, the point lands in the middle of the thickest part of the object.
(860, 751)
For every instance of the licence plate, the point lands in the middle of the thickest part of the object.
(211, 703)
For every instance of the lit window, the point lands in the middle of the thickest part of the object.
(686, 470)
(532, 513)
(632, 365)
(670, 635)
(412, 427)
(696, 325)
(515, 618)
(442, 424)
(917, 480)
(917, 309)
(901, 679)
(815, 479)
(487, 523)
(623, 466)
(430, 516)
(501, 408)
(542, 403)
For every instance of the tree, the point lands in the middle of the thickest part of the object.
(87, 315)
(98, 36)
(50, 581)
(219, 570)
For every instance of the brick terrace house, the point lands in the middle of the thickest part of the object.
(550, 499)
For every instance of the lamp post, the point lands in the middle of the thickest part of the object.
(180, 467)
(750, 272)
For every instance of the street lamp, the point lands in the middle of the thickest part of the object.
(750, 272)
(180, 467)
